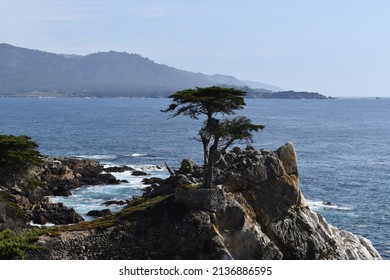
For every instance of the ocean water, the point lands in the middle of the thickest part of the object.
(342, 147)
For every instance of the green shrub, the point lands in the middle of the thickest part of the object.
(33, 184)
(17, 153)
(14, 246)
(15, 211)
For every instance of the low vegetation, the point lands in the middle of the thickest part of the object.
(138, 204)
(14, 246)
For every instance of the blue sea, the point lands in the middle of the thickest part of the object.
(342, 147)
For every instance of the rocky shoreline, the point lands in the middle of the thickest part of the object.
(28, 199)
(255, 211)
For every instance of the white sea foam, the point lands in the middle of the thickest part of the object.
(138, 155)
(133, 181)
(143, 167)
(96, 157)
(89, 198)
(31, 223)
(318, 205)
(149, 168)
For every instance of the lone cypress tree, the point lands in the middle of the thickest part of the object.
(215, 134)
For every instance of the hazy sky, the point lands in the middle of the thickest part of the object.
(335, 47)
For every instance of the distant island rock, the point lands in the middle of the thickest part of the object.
(290, 94)
(293, 95)
(26, 72)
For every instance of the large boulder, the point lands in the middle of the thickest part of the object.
(188, 166)
(99, 213)
(54, 213)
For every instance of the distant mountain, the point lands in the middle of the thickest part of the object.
(258, 85)
(225, 80)
(26, 72)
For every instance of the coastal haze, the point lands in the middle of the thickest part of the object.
(336, 48)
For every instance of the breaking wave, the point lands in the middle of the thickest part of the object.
(324, 205)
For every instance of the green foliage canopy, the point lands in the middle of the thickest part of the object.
(237, 129)
(215, 134)
(206, 101)
(17, 153)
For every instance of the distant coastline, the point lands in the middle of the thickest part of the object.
(250, 94)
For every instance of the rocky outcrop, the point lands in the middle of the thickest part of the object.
(26, 200)
(267, 186)
(255, 211)
(139, 173)
(53, 213)
(114, 202)
(118, 169)
(99, 213)
(61, 175)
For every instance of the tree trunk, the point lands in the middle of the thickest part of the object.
(208, 183)
(206, 152)
(209, 170)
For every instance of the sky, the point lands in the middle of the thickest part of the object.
(338, 48)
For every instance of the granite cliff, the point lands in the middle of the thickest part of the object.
(255, 211)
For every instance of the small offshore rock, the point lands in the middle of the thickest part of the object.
(115, 202)
(107, 178)
(99, 213)
(153, 180)
(118, 169)
(139, 173)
